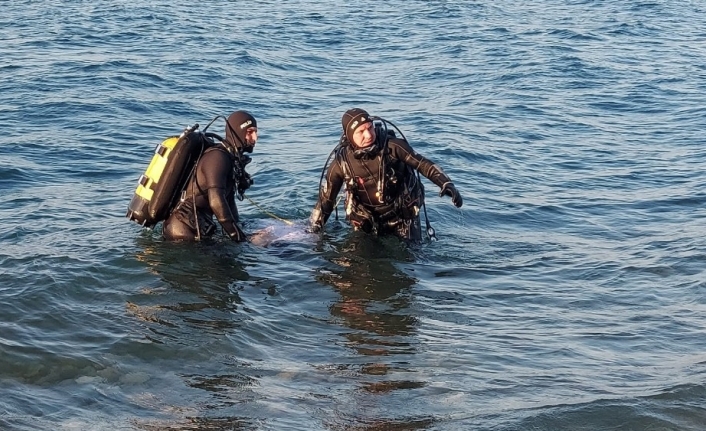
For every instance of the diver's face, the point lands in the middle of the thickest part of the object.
(251, 136)
(364, 135)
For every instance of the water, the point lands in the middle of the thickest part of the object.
(567, 294)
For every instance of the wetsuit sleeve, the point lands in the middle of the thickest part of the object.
(216, 171)
(401, 150)
(327, 195)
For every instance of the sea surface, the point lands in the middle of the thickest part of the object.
(568, 293)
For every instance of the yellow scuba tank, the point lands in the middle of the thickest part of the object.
(159, 188)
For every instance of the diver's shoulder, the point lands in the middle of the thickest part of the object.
(398, 143)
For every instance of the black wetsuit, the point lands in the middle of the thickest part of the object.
(210, 192)
(384, 195)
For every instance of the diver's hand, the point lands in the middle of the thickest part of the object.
(316, 221)
(238, 235)
(450, 190)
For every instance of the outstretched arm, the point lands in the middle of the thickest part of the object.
(401, 150)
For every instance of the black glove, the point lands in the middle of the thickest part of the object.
(238, 235)
(450, 190)
(316, 227)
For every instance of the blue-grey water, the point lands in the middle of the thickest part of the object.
(569, 292)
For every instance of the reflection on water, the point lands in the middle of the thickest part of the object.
(188, 318)
(200, 289)
(374, 296)
(375, 306)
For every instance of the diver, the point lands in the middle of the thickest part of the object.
(219, 176)
(384, 193)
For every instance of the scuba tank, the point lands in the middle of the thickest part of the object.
(159, 188)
